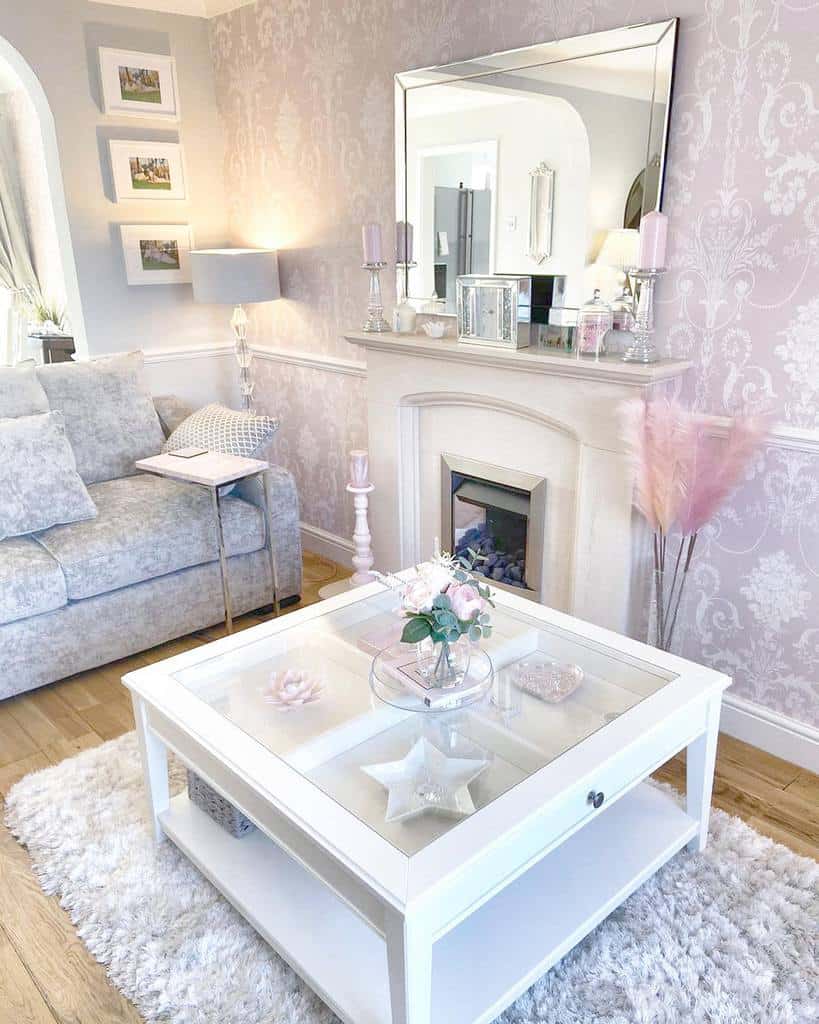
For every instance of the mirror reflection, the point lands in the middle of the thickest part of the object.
(539, 161)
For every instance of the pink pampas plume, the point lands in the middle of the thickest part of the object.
(716, 468)
(660, 438)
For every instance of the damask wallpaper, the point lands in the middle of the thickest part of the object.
(306, 95)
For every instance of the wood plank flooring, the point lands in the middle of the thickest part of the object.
(47, 975)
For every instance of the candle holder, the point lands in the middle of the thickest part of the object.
(362, 540)
(643, 350)
(375, 322)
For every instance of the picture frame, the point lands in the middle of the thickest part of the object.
(136, 84)
(147, 170)
(157, 253)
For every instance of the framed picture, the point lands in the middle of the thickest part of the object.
(157, 253)
(147, 170)
(139, 84)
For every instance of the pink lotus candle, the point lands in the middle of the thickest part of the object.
(371, 236)
(653, 236)
(359, 468)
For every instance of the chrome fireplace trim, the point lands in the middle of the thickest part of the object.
(536, 525)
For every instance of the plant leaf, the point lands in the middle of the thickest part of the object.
(416, 630)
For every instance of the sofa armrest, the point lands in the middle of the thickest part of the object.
(171, 411)
(284, 518)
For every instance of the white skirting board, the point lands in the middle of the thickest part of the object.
(770, 731)
(328, 545)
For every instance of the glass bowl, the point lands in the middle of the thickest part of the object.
(397, 679)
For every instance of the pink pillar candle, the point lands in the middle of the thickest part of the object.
(359, 468)
(653, 235)
(371, 235)
(403, 242)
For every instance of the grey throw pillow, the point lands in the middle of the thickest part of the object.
(21, 394)
(219, 429)
(39, 483)
(110, 419)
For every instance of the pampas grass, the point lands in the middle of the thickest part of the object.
(683, 473)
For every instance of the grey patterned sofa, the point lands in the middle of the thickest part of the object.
(144, 571)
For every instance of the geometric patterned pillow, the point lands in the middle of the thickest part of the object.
(219, 429)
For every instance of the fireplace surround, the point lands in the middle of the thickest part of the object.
(546, 414)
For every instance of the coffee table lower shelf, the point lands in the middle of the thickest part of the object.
(515, 937)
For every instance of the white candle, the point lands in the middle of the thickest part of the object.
(359, 468)
(371, 235)
(653, 236)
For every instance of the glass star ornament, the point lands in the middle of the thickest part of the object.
(427, 781)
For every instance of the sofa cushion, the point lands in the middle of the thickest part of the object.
(148, 526)
(219, 429)
(109, 415)
(39, 483)
(31, 582)
(21, 393)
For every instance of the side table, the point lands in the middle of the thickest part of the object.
(214, 470)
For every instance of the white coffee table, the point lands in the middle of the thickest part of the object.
(213, 471)
(428, 920)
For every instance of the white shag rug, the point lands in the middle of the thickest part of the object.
(727, 937)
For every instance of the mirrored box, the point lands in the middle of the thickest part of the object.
(494, 310)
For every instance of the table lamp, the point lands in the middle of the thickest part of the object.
(619, 249)
(233, 277)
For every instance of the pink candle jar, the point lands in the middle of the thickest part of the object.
(594, 321)
(359, 468)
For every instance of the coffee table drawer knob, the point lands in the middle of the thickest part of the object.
(595, 799)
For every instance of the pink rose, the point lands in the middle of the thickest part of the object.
(467, 603)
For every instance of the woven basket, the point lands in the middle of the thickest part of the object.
(215, 806)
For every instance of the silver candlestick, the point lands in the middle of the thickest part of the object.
(644, 350)
(375, 321)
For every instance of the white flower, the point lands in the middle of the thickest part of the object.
(418, 597)
(436, 575)
(773, 592)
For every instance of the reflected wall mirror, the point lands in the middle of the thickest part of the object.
(524, 162)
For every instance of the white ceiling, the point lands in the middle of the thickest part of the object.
(195, 8)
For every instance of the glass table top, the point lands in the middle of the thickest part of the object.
(413, 776)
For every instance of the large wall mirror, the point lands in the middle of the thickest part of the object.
(539, 161)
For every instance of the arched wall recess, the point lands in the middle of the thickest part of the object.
(30, 84)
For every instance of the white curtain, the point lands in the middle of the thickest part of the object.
(17, 275)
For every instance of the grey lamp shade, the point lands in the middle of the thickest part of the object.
(232, 277)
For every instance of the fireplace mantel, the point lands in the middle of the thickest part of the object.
(561, 364)
(546, 414)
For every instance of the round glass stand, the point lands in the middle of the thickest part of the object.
(395, 679)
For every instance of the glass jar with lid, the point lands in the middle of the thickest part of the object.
(622, 311)
(594, 321)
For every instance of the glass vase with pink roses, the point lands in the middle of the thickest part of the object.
(447, 611)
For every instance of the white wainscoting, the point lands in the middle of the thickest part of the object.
(206, 373)
(312, 360)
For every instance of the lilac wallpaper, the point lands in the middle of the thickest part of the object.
(306, 94)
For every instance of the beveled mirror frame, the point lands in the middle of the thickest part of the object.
(592, 45)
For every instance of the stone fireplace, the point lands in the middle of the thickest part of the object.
(442, 413)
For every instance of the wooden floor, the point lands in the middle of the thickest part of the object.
(46, 974)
